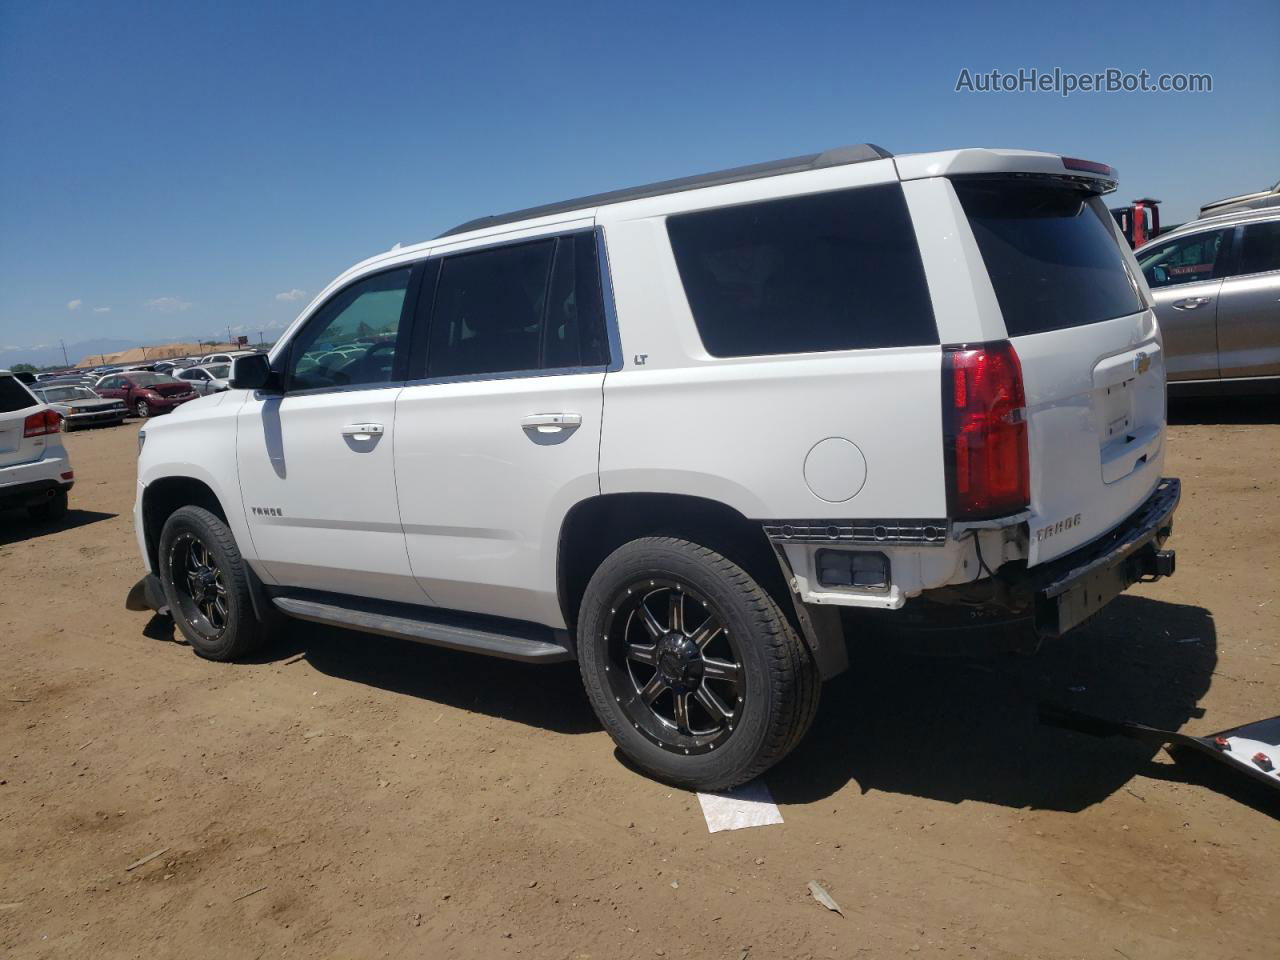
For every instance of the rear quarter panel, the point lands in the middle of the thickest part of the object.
(738, 430)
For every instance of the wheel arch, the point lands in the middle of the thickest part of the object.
(597, 526)
(162, 496)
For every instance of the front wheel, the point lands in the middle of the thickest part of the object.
(206, 585)
(142, 409)
(690, 665)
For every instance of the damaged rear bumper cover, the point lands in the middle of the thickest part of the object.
(1070, 590)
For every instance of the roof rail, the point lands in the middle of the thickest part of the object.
(837, 156)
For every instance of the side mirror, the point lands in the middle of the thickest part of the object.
(254, 373)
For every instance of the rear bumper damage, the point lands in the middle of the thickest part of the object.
(1062, 594)
(1073, 588)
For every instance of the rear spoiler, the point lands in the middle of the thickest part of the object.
(982, 162)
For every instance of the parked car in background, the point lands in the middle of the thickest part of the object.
(146, 394)
(225, 357)
(81, 407)
(212, 378)
(1262, 199)
(1216, 286)
(35, 471)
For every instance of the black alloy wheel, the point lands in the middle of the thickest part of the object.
(674, 667)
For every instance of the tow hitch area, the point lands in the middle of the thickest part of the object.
(1251, 748)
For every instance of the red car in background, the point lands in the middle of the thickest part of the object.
(146, 394)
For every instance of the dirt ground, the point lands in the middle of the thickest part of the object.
(383, 799)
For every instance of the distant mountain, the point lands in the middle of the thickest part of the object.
(47, 355)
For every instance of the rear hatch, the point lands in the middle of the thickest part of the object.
(1092, 366)
(16, 404)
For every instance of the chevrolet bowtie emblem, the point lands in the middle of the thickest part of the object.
(1142, 362)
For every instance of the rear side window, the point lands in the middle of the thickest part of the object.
(1051, 252)
(1260, 250)
(829, 271)
(14, 396)
(518, 308)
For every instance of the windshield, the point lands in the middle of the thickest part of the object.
(219, 371)
(150, 379)
(1051, 252)
(62, 394)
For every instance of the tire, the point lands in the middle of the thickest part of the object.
(142, 409)
(55, 508)
(772, 699)
(206, 585)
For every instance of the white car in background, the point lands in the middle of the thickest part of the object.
(35, 471)
(225, 357)
(210, 378)
(80, 406)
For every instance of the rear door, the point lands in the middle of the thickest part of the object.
(1185, 276)
(16, 404)
(498, 430)
(1249, 305)
(1092, 363)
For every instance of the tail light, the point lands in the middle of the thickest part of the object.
(985, 430)
(39, 424)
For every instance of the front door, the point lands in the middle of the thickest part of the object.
(316, 468)
(500, 435)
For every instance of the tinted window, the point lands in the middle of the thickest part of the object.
(575, 334)
(352, 338)
(833, 271)
(488, 311)
(1184, 260)
(1051, 252)
(14, 396)
(1260, 251)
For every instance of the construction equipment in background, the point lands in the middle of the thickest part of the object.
(1140, 221)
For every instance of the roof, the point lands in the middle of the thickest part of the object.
(838, 156)
(1228, 219)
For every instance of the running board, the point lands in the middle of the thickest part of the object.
(508, 639)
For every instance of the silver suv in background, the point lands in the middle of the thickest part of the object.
(1216, 286)
(35, 471)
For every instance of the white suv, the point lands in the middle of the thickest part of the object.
(674, 431)
(35, 471)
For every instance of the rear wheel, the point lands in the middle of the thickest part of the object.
(691, 666)
(206, 585)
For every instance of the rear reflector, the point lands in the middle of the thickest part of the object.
(39, 424)
(985, 431)
(1087, 166)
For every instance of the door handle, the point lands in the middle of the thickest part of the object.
(1190, 303)
(363, 431)
(551, 422)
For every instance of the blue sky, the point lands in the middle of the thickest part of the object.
(174, 168)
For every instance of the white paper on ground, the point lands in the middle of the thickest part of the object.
(750, 805)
